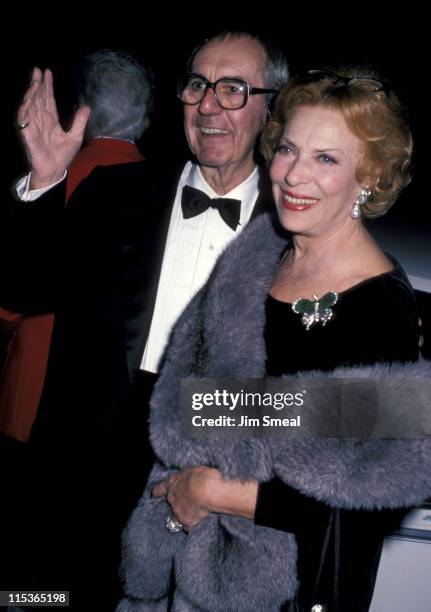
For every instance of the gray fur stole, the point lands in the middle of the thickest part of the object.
(228, 563)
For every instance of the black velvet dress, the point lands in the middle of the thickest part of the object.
(338, 550)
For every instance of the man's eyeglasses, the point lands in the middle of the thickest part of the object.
(231, 94)
(368, 83)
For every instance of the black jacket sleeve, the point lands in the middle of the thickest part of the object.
(283, 507)
(31, 247)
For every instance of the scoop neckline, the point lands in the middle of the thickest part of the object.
(353, 287)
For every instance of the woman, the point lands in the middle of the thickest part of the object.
(339, 149)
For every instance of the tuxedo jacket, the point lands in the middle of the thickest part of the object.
(96, 264)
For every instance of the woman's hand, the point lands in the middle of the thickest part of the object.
(187, 494)
(194, 492)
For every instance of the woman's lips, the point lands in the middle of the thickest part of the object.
(297, 202)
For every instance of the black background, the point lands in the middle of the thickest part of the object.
(393, 43)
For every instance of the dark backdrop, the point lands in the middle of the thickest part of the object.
(393, 44)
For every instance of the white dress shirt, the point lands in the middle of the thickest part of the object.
(192, 248)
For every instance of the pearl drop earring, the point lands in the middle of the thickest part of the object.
(361, 198)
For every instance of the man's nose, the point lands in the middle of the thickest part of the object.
(209, 105)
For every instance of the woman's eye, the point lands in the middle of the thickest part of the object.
(327, 159)
(283, 149)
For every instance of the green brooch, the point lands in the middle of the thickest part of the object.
(316, 311)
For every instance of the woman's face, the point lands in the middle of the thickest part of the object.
(313, 171)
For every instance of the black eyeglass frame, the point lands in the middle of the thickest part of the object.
(249, 90)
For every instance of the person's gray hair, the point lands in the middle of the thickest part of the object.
(275, 70)
(119, 91)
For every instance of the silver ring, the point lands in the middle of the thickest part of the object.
(173, 525)
(22, 126)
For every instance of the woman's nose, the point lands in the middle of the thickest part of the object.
(297, 172)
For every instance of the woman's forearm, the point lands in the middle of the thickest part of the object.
(195, 492)
(231, 496)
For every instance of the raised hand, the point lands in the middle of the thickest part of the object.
(49, 148)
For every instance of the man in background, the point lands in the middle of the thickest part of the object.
(119, 92)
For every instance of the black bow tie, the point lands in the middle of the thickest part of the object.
(194, 202)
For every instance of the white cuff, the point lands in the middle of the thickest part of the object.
(25, 194)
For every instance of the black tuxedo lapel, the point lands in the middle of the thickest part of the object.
(265, 201)
(143, 258)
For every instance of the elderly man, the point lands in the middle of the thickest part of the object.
(127, 272)
(226, 90)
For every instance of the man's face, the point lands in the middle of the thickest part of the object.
(219, 138)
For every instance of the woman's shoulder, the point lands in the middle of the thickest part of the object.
(389, 286)
(395, 290)
(385, 313)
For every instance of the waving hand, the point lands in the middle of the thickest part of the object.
(49, 148)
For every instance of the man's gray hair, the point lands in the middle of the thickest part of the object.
(119, 91)
(275, 70)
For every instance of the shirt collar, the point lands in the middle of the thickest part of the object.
(246, 192)
(241, 192)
